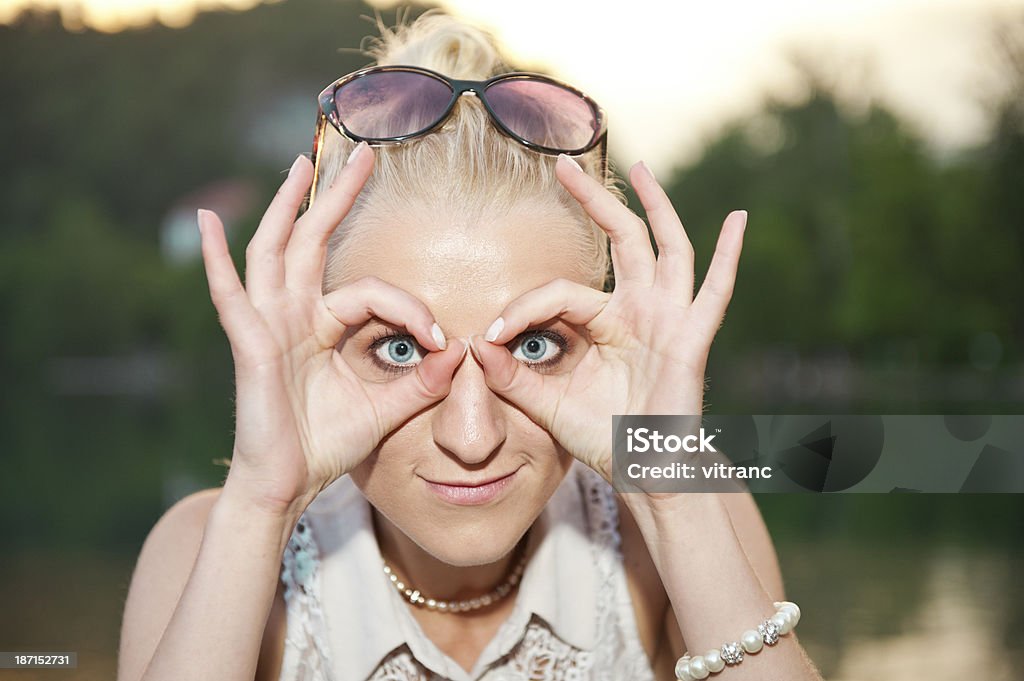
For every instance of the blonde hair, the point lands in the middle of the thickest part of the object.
(468, 163)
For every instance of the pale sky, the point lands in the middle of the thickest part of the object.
(669, 73)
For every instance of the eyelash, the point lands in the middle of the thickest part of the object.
(383, 337)
(380, 339)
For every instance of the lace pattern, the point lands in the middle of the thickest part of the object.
(538, 656)
(541, 655)
(306, 655)
(401, 666)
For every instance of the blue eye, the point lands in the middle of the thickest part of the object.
(540, 347)
(397, 352)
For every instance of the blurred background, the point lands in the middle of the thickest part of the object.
(878, 145)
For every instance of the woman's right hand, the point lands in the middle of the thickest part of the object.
(303, 416)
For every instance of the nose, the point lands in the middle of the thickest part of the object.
(468, 423)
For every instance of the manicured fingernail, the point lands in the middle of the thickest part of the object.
(472, 347)
(200, 217)
(295, 164)
(571, 160)
(494, 329)
(744, 214)
(435, 331)
(355, 152)
(647, 169)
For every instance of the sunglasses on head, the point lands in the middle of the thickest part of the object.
(384, 105)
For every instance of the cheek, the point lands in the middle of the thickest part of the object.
(536, 444)
(393, 464)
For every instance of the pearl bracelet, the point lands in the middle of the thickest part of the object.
(753, 641)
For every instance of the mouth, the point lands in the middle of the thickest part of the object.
(471, 493)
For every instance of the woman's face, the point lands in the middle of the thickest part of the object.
(465, 272)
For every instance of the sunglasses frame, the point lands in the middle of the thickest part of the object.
(328, 113)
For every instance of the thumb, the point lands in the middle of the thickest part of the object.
(535, 394)
(398, 400)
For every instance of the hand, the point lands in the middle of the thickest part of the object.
(304, 418)
(650, 336)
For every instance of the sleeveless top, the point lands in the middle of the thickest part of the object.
(572, 620)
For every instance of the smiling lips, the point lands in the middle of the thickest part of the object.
(464, 494)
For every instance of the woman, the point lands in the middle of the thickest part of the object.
(426, 367)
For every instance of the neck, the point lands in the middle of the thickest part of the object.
(435, 578)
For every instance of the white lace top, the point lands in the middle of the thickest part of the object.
(572, 620)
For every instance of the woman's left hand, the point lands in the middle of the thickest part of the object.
(650, 336)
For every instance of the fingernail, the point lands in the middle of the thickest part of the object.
(435, 331)
(472, 348)
(744, 214)
(571, 160)
(295, 164)
(355, 152)
(647, 169)
(494, 329)
(200, 218)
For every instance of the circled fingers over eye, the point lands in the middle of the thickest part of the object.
(368, 297)
(397, 400)
(305, 255)
(562, 298)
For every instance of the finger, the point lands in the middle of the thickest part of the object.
(562, 298)
(369, 297)
(632, 256)
(264, 262)
(306, 252)
(674, 269)
(716, 291)
(535, 394)
(398, 400)
(226, 291)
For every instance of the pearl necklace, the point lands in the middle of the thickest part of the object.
(416, 598)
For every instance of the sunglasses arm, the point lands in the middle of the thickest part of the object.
(318, 141)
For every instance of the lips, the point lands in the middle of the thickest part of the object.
(471, 493)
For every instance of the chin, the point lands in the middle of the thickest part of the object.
(470, 543)
(465, 536)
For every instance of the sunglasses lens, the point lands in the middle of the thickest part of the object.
(544, 113)
(386, 104)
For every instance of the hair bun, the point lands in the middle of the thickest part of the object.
(438, 41)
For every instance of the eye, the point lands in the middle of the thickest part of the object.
(542, 348)
(395, 353)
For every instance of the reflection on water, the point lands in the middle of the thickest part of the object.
(951, 636)
(63, 601)
(924, 612)
(908, 613)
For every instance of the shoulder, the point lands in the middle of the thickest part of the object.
(161, 572)
(171, 547)
(160, 575)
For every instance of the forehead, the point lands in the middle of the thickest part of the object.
(466, 270)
